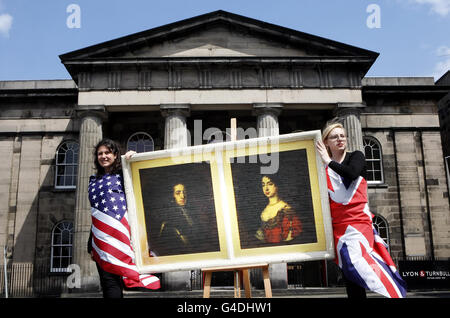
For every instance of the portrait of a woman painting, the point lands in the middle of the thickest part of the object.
(279, 222)
(274, 209)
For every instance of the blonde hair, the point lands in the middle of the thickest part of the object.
(326, 131)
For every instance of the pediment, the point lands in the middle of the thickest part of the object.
(219, 34)
(218, 49)
(217, 41)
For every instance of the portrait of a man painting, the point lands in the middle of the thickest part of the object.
(274, 209)
(179, 210)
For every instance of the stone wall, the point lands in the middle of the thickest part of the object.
(31, 129)
(415, 192)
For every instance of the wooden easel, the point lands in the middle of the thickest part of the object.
(241, 274)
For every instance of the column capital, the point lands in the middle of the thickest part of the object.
(175, 109)
(98, 111)
(265, 108)
(345, 109)
(349, 115)
(267, 118)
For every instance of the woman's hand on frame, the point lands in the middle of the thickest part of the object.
(322, 150)
(129, 154)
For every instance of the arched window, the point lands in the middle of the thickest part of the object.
(140, 142)
(382, 228)
(61, 254)
(374, 160)
(66, 165)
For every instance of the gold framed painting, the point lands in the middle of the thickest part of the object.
(232, 203)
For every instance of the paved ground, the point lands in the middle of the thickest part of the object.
(226, 292)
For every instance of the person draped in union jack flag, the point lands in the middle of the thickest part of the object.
(360, 252)
(110, 238)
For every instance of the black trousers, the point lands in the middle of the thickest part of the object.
(112, 285)
(354, 291)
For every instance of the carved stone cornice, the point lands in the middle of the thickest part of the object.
(225, 73)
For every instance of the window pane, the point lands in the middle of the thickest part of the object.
(61, 157)
(65, 237)
(60, 170)
(65, 251)
(148, 145)
(56, 262)
(376, 154)
(56, 238)
(132, 145)
(368, 152)
(140, 147)
(378, 175)
(65, 262)
(376, 165)
(69, 170)
(382, 232)
(69, 156)
(56, 251)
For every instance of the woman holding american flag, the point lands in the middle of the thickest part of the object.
(360, 252)
(109, 242)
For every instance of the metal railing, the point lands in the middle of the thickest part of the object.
(29, 280)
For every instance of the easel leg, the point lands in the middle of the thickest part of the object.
(267, 286)
(237, 284)
(207, 286)
(247, 286)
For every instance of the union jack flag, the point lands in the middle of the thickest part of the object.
(111, 242)
(360, 252)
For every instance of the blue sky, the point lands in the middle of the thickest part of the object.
(412, 36)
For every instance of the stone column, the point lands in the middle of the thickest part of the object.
(349, 114)
(176, 136)
(267, 119)
(175, 131)
(90, 135)
(267, 125)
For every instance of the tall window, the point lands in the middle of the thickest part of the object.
(382, 228)
(140, 142)
(61, 255)
(66, 165)
(374, 160)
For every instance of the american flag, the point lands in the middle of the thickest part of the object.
(111, 242)
(360, 252)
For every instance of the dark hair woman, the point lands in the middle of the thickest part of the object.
(107, 157)
(110, 237)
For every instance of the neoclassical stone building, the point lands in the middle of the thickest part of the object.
(147, 90)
